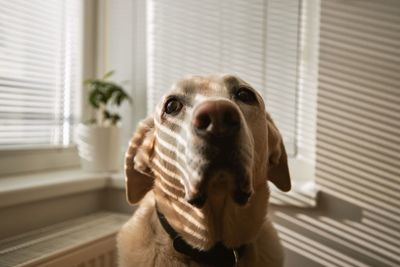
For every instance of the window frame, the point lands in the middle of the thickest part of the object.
(301, 167)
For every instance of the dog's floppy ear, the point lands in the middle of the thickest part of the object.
(278, 170)
(139, 178)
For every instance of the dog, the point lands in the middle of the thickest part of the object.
(199, 168)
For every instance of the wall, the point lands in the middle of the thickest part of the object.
(121, 47)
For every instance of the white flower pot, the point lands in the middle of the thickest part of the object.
(99, 147)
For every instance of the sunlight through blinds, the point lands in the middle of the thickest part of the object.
(358, 144)
(40, 70)
(258, 40)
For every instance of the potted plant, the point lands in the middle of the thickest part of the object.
(99, 139)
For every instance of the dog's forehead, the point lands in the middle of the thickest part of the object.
(213, 85)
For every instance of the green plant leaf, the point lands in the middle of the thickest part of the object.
(103, 93)
(108, 74)
(94, 98)
(111, 89)
(107, 114)
(115, 118)
(120, 97)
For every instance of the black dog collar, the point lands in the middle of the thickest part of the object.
(219, 255)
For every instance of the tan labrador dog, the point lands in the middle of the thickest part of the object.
(199, 169)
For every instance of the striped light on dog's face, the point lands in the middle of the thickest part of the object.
(203, 141)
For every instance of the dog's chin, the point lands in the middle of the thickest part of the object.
(219, 180)
(223, 169)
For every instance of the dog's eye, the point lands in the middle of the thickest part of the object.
(173, 106)
(246, 96)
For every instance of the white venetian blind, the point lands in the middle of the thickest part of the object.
(358, 147)
(40, 46)
(257, 40)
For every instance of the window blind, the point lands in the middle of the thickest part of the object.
(358, 147)
(40, 46)
(257, 40)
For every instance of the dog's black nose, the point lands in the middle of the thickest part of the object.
(217, 118)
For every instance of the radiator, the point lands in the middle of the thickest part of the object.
(83, 242)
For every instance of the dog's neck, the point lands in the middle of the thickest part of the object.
(219, 220)
(218, 255)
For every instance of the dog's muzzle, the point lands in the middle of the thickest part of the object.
(217, 124)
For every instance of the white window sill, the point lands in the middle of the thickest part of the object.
(303, 195)
(37, 186)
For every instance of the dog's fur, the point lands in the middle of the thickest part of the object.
(166, 164)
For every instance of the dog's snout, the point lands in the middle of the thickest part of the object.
(216, 119)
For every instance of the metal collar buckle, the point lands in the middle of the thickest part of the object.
(236, 257)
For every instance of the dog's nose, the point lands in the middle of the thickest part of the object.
(218, 118)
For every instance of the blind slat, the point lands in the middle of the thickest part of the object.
(40, 51)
